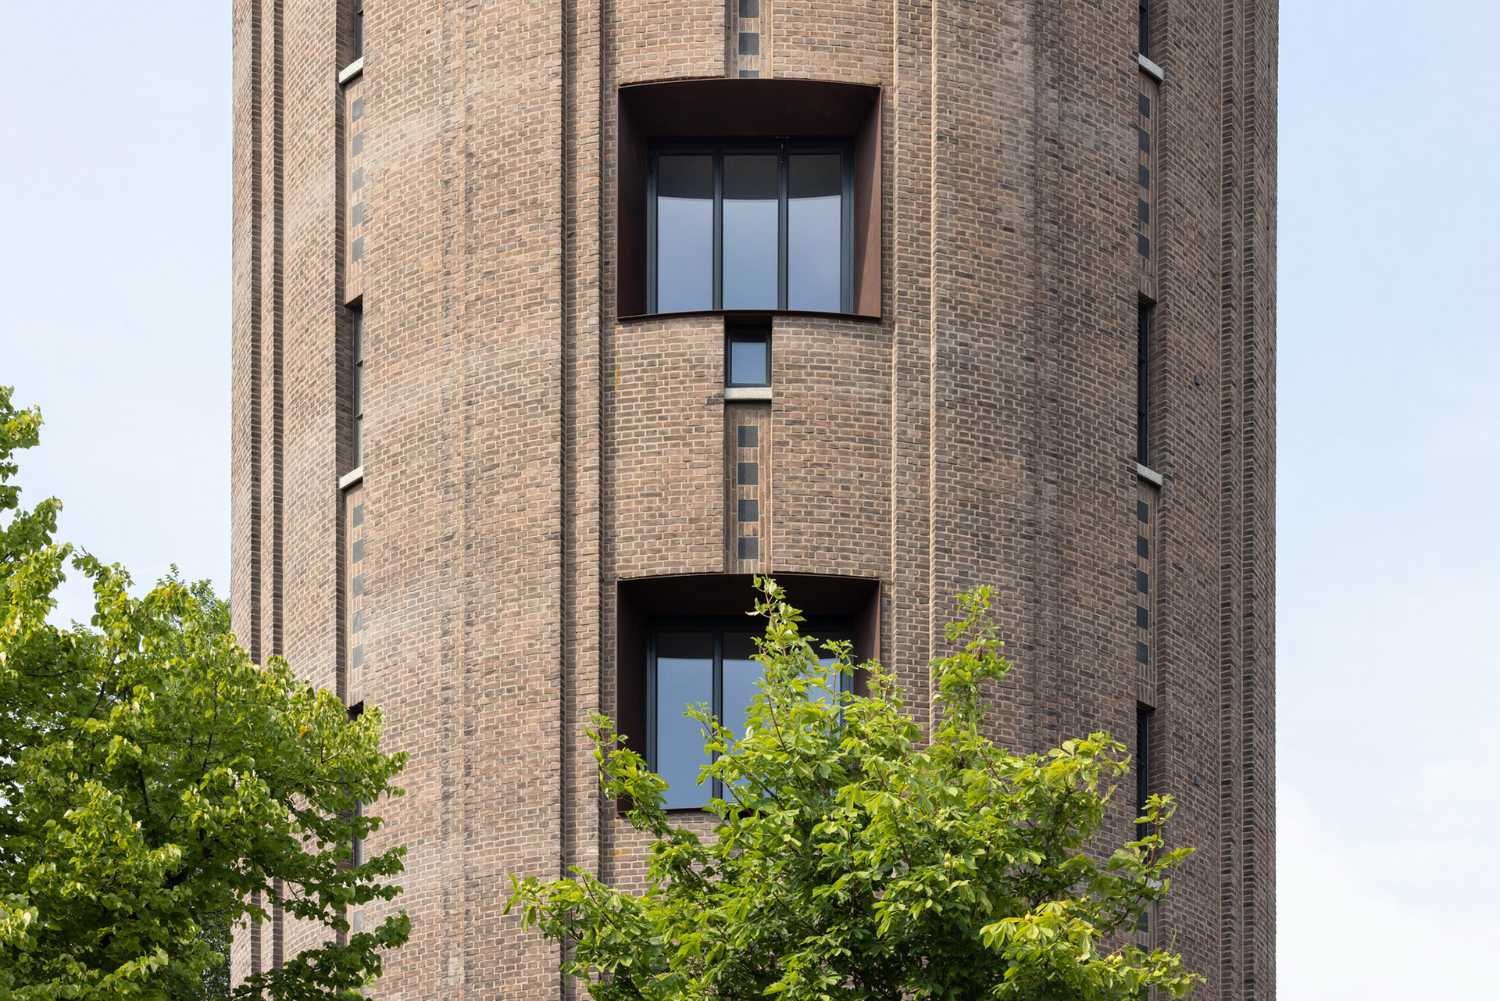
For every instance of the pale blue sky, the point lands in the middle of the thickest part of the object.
(114, 316)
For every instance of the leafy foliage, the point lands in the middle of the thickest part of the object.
(156, 786)
(853, 859)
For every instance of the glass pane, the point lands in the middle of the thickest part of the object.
(837, 680)
(815, 221)
(684, 233)
(749, 361)
(741, 677)
(751, 207)
(684, 677)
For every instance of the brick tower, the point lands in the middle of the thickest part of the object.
(554, 321)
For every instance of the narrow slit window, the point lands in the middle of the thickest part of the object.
(1142, 758)
(358, 30)
(357, 843)
(1145, 28)
(357, 384)
(1143, 383)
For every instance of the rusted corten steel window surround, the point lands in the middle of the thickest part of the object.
(731, 111)
(841, 606)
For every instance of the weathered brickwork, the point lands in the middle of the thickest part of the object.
(526, 450)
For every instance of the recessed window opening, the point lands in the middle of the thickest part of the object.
(747, 360)
(750, 226)
(1142, 758)
(1143, 383)
(358, 33)
(707, 662)
(357, 383)
(357, 843)
(1145, 28)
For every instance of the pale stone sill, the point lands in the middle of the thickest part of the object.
(1148, 474)
(1151, 68)
(351, 71)
(741, 394)
(352, 477)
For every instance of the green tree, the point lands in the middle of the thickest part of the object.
(156, 787)
(854, 858)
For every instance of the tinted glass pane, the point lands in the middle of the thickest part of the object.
(815, 221)
(835, 679)
(741, 675)
(684, 233)
(751, 208)
(684, 677)
(749, 361)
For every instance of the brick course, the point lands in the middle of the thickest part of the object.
(526, 449)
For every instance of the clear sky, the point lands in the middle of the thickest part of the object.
(114, 316)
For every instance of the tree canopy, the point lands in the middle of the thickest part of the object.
(856, 857)
(157, 786)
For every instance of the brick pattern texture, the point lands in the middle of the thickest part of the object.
(525, 450)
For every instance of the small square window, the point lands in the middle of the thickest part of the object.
(749, 356)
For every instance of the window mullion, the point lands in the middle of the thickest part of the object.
(717, 788)
(651, 276)
(718, 171)
(653, 756)
(782, 215)
(846, 236)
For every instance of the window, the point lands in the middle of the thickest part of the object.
(747, 360)
(357, 843)
(359, 30)
(703, 663)
(357, 384)
(1142, 784)
(750, 226)
(1142, 758)
(1143, 383)
(1145, 28)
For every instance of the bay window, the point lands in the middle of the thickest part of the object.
(750, 226)
(702, 663)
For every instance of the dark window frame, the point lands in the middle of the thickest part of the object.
(1145, 319)
(716, 626)
(1142, 757)
(745, 332)
(1144, 42)
(357, 34)
(357, 382)
(782, 148)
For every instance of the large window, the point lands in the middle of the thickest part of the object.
(703, 663)
(750, 226)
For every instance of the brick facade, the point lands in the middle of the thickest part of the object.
(526, 448)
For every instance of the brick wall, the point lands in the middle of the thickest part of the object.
(526, 450)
